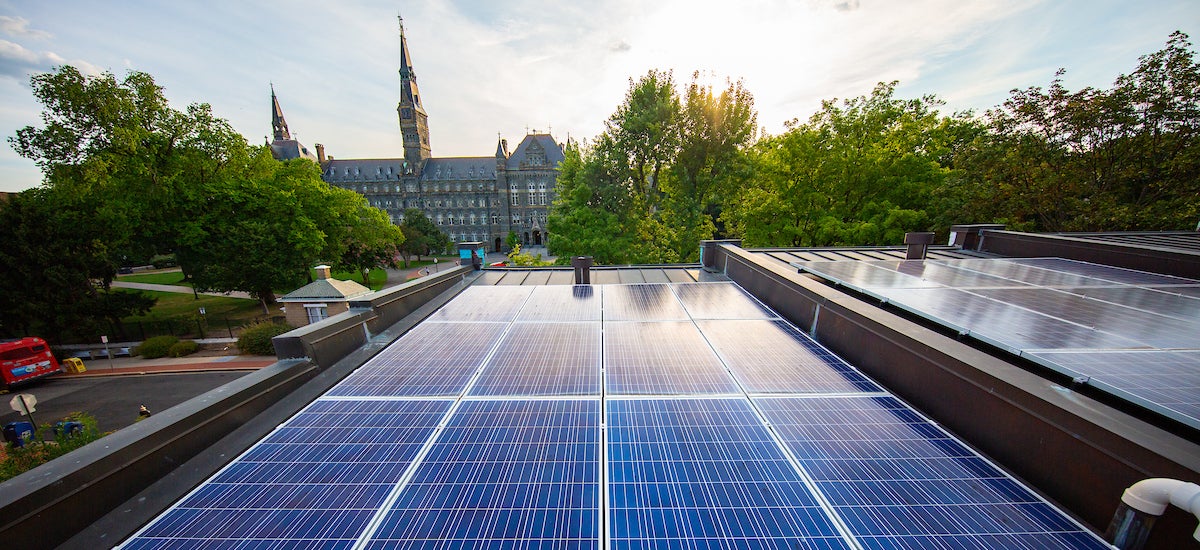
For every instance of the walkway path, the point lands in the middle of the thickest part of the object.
(178, 288)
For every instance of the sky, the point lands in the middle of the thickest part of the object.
(489, 68)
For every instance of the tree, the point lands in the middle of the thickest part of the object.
(1127, 158)
(650, 187)
(421, 235)
(859, 173)
(57, 270)
(371, 242)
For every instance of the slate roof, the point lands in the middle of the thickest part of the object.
(554, 152)
(459, 168)
(288, 149)
(326, 289)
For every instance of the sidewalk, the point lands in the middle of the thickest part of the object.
(135, 365)
(179, 289)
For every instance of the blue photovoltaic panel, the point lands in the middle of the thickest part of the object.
(705, 473)
(720, 301)
(1104, 272)
(661, 358)
(1164, 380)
(484, 303)
(773, 356)
(646, 302)
(1191, 291)
(504, 474)
(1002, 324)
(433, 359)
(562, 303)
(898, 481)
(314, 483)
(544, 359)
(1149, 329)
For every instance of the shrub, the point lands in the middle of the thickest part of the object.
(156, 347)
(183, 347)
(256, 339)
(18, 460)
(163, 260)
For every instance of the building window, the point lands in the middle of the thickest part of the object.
(316, 312)
(516, 219)
(495, 219)
(516, 200)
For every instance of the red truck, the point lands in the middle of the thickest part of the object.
(25, 359)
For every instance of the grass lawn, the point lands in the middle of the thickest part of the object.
(175, 306)
(157, 278)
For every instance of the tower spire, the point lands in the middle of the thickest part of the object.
(277, 121)
(414, 123)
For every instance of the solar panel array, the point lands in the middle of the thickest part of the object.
(626, 417)
(1132, 334)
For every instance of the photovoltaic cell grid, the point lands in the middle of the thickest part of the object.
(705, 473)
(432, 359)
(1164, 380)
(720, 301)
(1055, 305)
(384, 468)
(775, 357)
(314, 483)
(644, 302)
(509, 474)
(544, 359)
(562, 303)
(897, 481)
(661, 358)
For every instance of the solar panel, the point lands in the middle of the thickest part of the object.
(864, 275)
(315, 481)
(525, 462)
(773, 356)
(544, 359)
(432, 359)
(484, 303)
(1011, 328)
(705, 473)
(1149, 329)
(898, 481)
(1022, 273)
(1167, 381)
(661, 358)
(720, 301)
(1104, 272)
(947, 275)
(562, 303)
(1170, 300)
(645, 302)
(506, 474)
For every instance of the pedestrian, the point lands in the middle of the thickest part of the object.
(143, 412)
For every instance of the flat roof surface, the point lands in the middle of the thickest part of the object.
(610, 416)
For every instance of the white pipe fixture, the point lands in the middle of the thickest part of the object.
(1151, 496)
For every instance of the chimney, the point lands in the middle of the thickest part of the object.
(322, 271)
(320, 153)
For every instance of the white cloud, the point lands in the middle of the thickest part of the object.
(19, 26)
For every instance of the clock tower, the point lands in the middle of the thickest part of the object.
(414, 123)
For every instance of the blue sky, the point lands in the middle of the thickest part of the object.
(488, 67)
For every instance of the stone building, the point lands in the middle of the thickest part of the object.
(320, 299)
(470, 198)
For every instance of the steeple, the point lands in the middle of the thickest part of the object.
(414, 123)
(277, 121)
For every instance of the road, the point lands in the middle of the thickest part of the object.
(114, 400)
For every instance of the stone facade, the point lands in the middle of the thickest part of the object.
(469, 198)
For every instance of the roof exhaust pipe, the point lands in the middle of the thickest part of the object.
(583, 269)
(1143, 502)
(918, 245)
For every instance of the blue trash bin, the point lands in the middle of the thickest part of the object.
(69, 429)
(18, 433)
